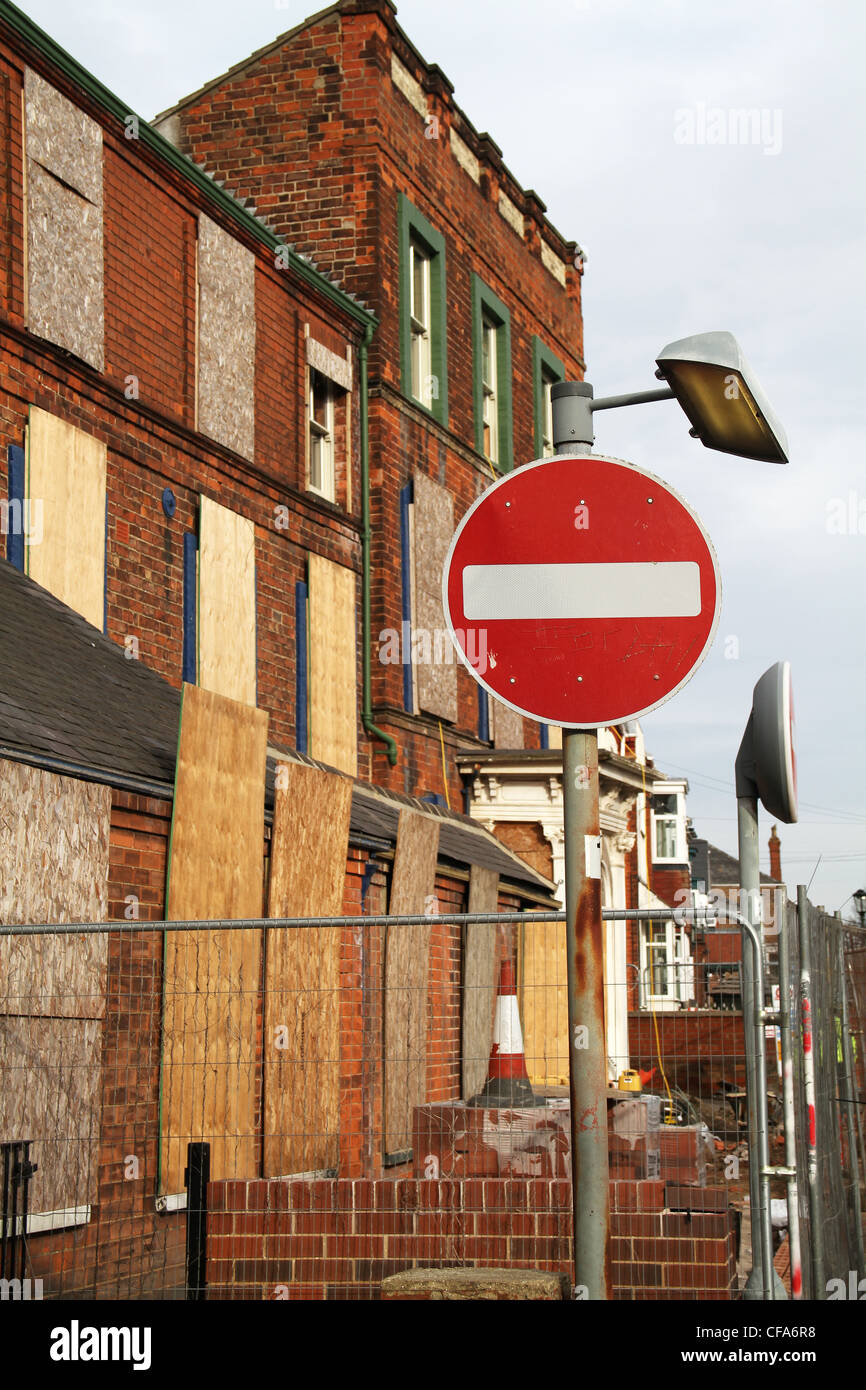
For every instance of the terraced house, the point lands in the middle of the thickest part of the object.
(353, 148)
(256, 361)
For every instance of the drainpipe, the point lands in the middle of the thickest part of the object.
(366, 541)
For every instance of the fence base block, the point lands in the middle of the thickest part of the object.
(434, 1285)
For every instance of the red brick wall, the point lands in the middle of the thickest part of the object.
(316, 132)
(336, 1239)
(128, 1249)
(150, 219)
(698, 1048)
(667, 881)
(527, 840)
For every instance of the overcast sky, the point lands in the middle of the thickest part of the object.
(607, 109)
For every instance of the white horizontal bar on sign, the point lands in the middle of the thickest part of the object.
(669, 589)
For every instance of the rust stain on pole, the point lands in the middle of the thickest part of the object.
(586, 1030)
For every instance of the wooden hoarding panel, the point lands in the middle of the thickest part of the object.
(507, 726)
(544, 1002)
(227, 603)
(479, 980)
(52, 1070)
(226, 338)
(54, 856)
(66, 471)
(64, 232)
(309, 845)
(407, 955)
(213, 978)
(333, 673)
(54, 861)
(433, 527)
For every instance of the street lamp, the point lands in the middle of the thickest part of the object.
(859, 897)
(727, 409)
(709, 376)
(722, 397)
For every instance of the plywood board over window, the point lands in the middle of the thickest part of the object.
(507, 725)
(66, 472)
(544, 1002)
(213, 976)
(54, 862)
(309, 844)
(64, 205)
(227, 603)
(226, 338)
(435, 669)
(407, 960)
(332, 665)
(479, 980)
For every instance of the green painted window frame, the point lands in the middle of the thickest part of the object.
(543, 360)
(484, 301)
(413, 224)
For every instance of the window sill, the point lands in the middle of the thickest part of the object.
(59, 1220)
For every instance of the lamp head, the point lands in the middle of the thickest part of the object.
(722, 397)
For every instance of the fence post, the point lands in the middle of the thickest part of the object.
(785, 1002)
(17, 1172)
(849, 1102)
(196, 1177)
(816, 1199)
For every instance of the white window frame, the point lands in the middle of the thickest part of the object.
(321, 440)
(548, 449)
(420, 321)
(678, 817)
(677, 965)
(490, 388)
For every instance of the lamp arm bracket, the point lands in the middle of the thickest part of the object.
(662, 393)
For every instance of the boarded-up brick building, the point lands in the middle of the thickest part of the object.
(353, 148)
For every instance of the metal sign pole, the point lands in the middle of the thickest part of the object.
(765, 768)
(816, 1195)
(783, 927)
(587, 1053)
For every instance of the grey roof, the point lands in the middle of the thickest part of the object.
(70, 700)
(69, 693)
(714, 867)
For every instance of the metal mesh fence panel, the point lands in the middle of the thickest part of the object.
(181, 1120)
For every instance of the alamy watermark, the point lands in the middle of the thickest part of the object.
(22, 518)
(421, 646)
(20, 1290)
(77, 1343)
(732, 125)
(717, 907)
(846, 516)
(854, 1290)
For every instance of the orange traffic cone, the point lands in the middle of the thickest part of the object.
(507, 1084)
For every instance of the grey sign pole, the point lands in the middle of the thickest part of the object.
(849, 1104)
(764, 767)
(587, 1053)
(783, 927)
(816, 1195)
(760, 1283)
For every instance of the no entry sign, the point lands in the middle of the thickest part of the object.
(581, 591)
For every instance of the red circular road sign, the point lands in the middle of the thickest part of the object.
(581, 591)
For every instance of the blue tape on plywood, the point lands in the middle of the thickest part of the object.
(256, 635)
(105, 572)
(483, 715)
(190, 562)
(407, 494)
(14, 518)
(301, 733)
